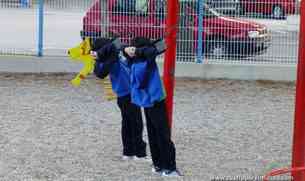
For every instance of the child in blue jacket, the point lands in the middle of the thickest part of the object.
(147, 91)
(110, 61)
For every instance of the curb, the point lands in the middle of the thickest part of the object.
(56, 65)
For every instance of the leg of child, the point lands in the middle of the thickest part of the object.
(126, 133)
(132, 128)
(153, 144)
(162, 144)
(137, 130)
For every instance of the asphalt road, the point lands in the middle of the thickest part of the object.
(61, 31)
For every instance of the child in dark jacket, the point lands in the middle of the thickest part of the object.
(110, 61)
(147, 91)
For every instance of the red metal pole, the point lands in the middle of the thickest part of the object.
(298, 157)
(170, 55)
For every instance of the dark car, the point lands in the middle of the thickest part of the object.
(224, 6)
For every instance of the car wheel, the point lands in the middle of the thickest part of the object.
(216, 49)
(277, 12)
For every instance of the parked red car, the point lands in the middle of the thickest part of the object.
(275, 8)
(221, 35)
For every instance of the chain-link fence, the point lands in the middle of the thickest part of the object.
(210, 31)
(18, 27)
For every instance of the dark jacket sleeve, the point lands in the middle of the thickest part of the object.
(107, 53)
(148, 53)
(106, 57)
(101, 70)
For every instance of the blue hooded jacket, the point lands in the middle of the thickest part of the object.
(146, 84)
(119, 73)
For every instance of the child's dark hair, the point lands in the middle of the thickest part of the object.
(99, 43)
(140, 42)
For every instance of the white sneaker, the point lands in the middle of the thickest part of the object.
(171, 173)
(144, 159)
(157, 170)
(125, 157)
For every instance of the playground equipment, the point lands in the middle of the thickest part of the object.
(81, 53)
(298, 154)
(170, 56)
(283, 171)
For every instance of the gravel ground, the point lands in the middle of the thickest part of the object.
(52, 131)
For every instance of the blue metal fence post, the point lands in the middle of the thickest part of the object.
(40, 28)
(25, 3)
(200, 31)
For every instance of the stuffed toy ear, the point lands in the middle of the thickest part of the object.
(80, 51)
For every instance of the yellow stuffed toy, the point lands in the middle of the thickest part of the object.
(82, 54)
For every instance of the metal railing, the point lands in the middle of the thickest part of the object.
(231, 31)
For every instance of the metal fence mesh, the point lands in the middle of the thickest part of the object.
(18, 28)
(233, 31)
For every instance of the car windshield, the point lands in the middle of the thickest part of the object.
(138, 7)
(207, 11)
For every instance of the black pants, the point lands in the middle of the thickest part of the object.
(162, 149)
(132, 128)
